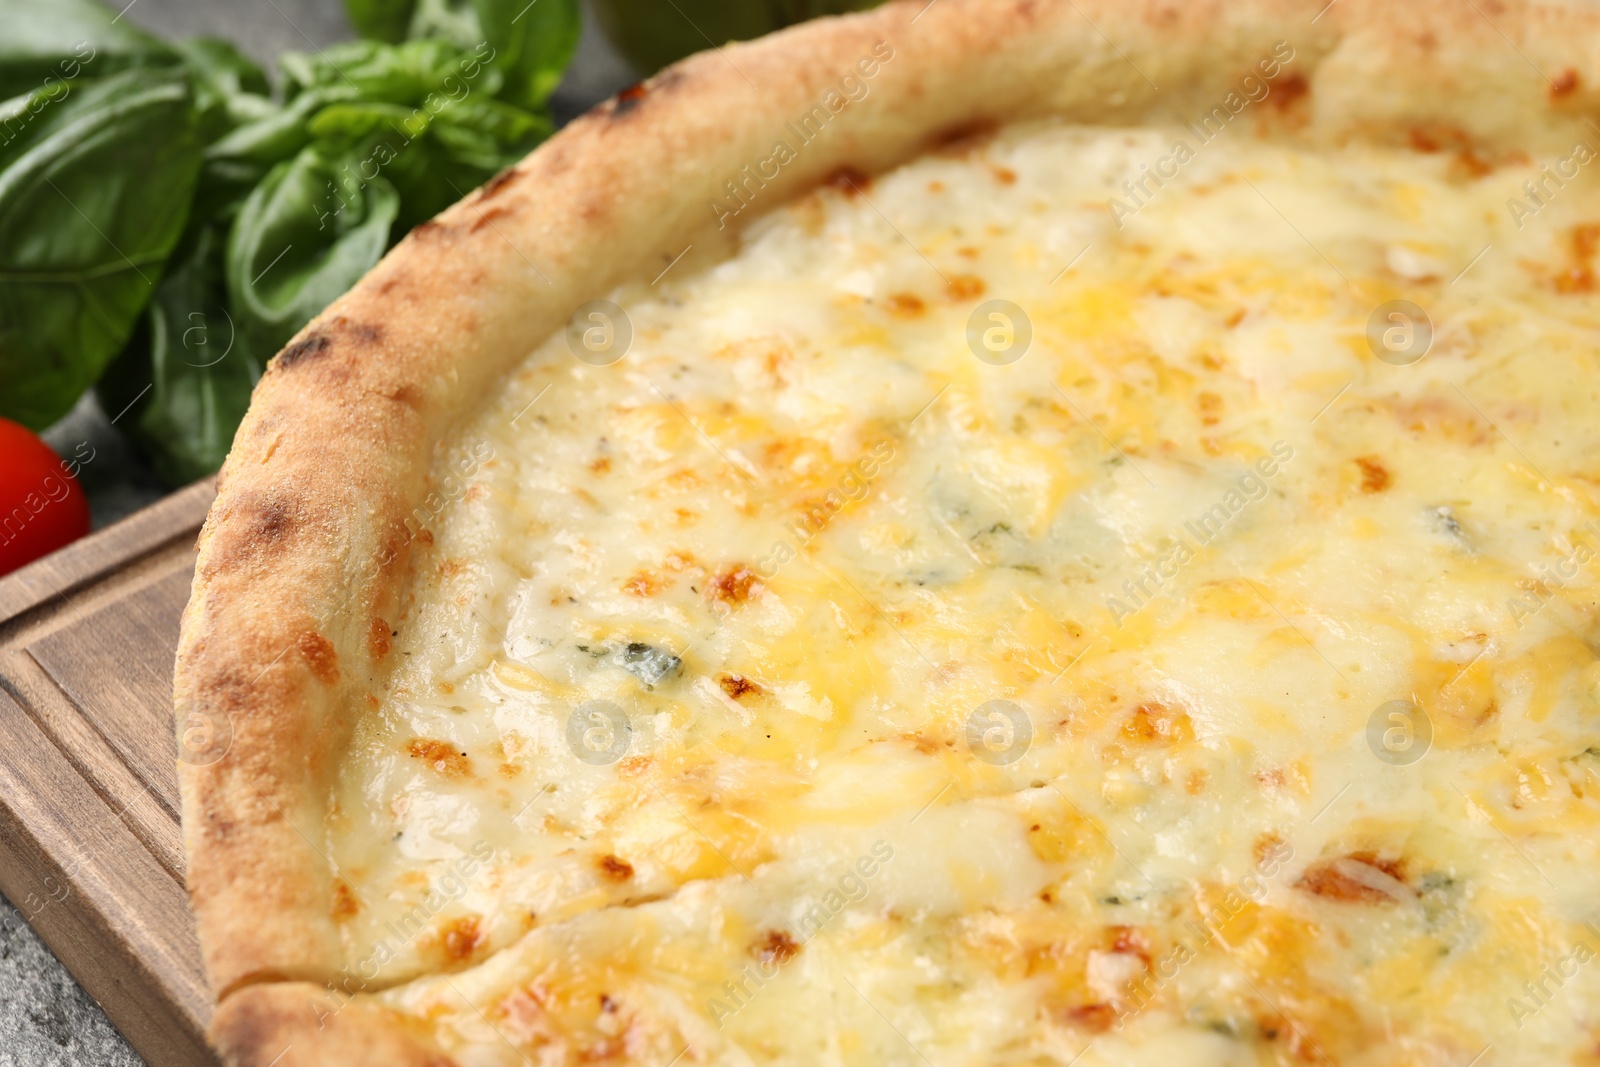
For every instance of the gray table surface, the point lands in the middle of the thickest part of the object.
(46, 1020)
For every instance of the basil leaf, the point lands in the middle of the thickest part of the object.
(425, 119)
(229, 89)
(350, 126)
(397, 74)
(66, 39)
(533, 42)
(453, 20)
(382, 20)
(238, 161)
(94, 192)
(302, 237)
(184, 381)
(430, 156)
(529, 41)
(488, 134)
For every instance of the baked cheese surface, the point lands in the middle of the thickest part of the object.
(1017, 609)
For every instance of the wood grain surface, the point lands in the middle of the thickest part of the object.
(90, 847)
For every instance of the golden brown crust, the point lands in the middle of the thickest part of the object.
(297, 1024)
(305, 550)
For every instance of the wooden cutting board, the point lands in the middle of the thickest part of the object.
(90, 847)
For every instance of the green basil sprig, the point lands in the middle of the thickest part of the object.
(304, 236)
(161, 206)
(532, 41)
(94, 192)
(372, 140)
(59, 40)
(184, 381)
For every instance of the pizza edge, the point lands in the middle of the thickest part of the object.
(303, 558)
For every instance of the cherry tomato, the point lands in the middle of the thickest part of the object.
(41, 504)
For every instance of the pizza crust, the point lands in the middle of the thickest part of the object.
(303, 559)
(298, 1024)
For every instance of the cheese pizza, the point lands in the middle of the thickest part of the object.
(1067, 535)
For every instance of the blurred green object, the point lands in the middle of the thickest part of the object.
(297, 200)
(307, 233)
(529, 41)
(183, 382)
(653, 33)
(167, 222)
(95, 185)
(44, 41)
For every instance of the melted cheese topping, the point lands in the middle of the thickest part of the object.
(1196, 688)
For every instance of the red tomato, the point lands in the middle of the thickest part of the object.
(41, 505)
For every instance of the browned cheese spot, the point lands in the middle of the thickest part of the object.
(905, 305)
(345, 904)
(633, 766)
(644, 584)
(617, 870)
(1266, 846)
(461, 937)
(965, 287)
(1578, 276)
(1129, 941)
(737, 685)
(1156, 722)
(1095, 1018)
(1334, 880)
(777, 948)
(1288, 90)
(733, 584)
(1374, 475)
(443, 757)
